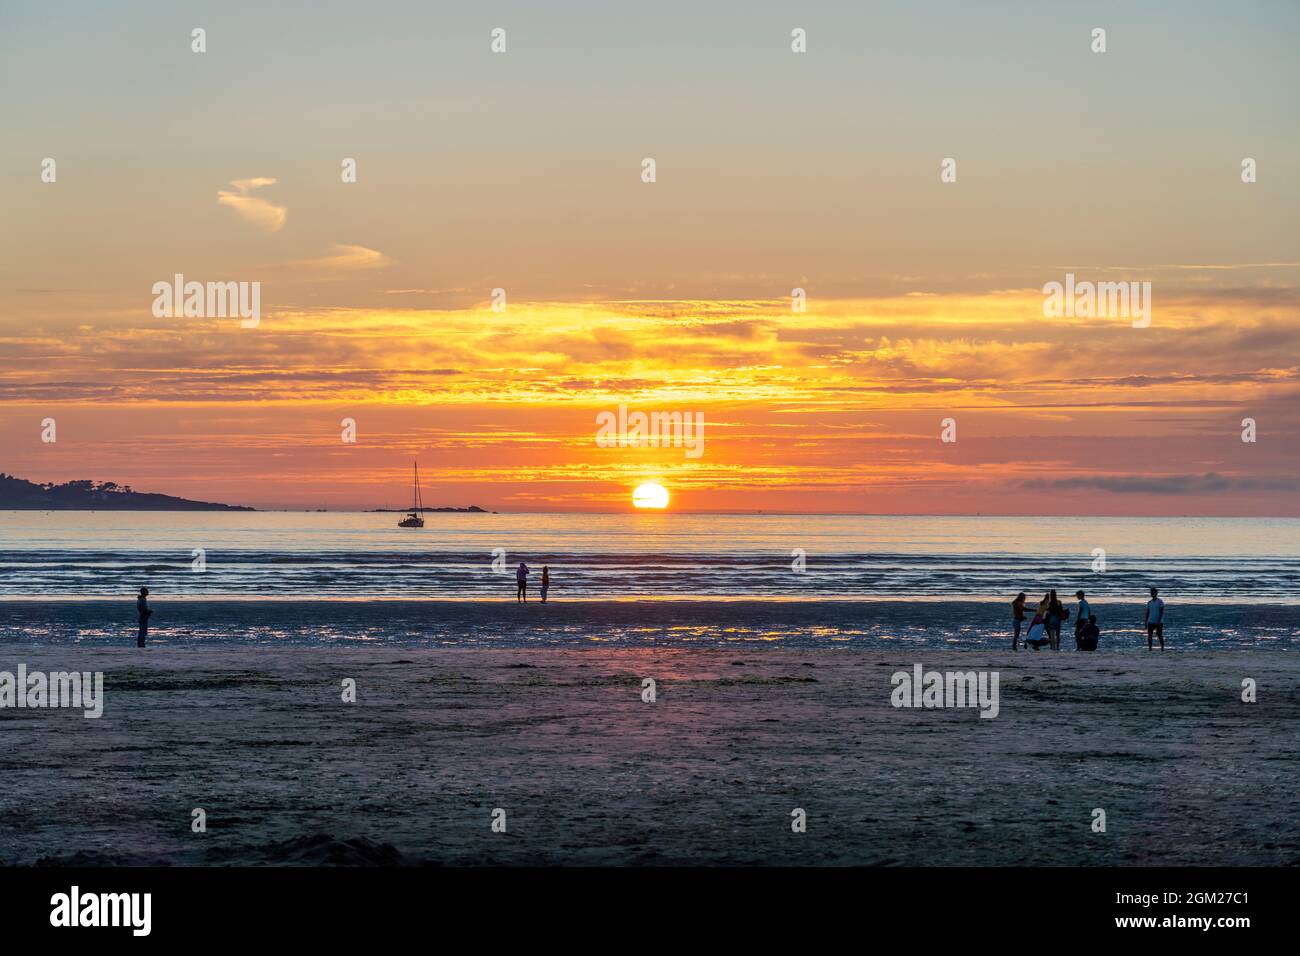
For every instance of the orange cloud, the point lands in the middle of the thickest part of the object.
(835, 408)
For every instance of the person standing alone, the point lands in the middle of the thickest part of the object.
(142, 608)
(1155, 619)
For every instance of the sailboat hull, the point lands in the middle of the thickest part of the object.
(413, 520)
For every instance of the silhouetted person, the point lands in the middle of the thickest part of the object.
(1017, 619)
(1155, 619)
(521, 579)
(1088, 634)
(546, 581)
(1055, 611)
(1082, 614)
(142, 608)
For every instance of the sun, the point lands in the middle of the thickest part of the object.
(650, 495)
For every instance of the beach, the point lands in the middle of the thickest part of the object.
(708, 774)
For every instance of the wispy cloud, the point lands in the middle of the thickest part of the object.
(425, 291)
(340, 260)
(1208, 483)
(1186, 267)
(254, 208)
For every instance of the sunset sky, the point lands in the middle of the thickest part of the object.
(775, 170)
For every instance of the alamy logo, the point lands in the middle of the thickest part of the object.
(651, 430)
(75, 908)
(212, 300)
(1098, 300)
(950, 689)
(38, 690)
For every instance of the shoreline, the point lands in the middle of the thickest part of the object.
(648, 599)
(857, 625)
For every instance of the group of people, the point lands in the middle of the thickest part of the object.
(1045, 628)
(521, 579)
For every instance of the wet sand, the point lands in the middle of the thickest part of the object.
(883, 625)
(588, 773)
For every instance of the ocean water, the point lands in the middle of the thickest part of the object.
(639, 579)
(260, 555)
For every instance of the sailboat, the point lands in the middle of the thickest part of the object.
(413, 520)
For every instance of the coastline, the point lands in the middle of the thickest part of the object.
(803, 623)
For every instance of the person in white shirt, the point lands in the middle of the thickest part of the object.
(1155, 619)
(521, 579)
(1082, 611)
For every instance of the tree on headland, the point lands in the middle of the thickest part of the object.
(86, 495)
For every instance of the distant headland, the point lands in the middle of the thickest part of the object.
(472, 509)
(19, 495)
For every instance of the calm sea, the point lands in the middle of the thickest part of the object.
(261, 555)
(798, 581)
